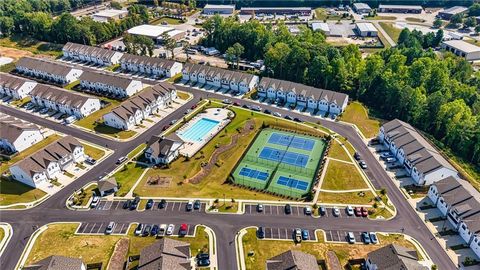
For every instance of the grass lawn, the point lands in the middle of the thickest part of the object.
(390, 18)
(342, 176)
(127, 176)
(183, 95)
(7, 68)
(321, 14)
(346, 197)
(94, 152)
(137, 150)
(12, 191)
(337, 151)
(83, 198)
(265, 249)
(27, 152)
(32, 45)
(356, 113)
(2, 234)
(412, 19)
(21, 102)
(214, 185)
(72, 85)
(113, 67)
(166, 20)
(175, 78)
(392, 31)
(227, 207)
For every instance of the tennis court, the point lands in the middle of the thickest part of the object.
(293, 183)
(291, 141)
(287, 157)
(252, 173)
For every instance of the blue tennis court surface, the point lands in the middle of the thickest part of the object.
(293, 183)
(287, 157)
(253, 174)
(292, 141)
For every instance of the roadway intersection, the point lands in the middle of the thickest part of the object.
(225, 226)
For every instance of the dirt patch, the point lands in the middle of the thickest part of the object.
(120, 252)
(332, 261)
(159, 181)
(14, 53)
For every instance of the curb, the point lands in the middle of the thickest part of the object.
(8, 235)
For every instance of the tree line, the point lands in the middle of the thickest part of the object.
(437, 93)
(20, 17)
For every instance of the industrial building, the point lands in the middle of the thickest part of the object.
(155, 32)
(461, 48)
(218, 9)
(400, 9)
(448, 13)
(366, 30)
(299, 11)
(361, 8)
(110, 14)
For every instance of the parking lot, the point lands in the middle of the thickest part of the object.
(100, 227)
(170, 206)
(341, 236)
(285, 234)
(251, 209)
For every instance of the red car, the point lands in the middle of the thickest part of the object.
(358, 212)
(165, 127)
(364, 212)
(193, 107)
(183, 229)
(236, 104)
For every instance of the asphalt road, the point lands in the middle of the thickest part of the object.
(225, 226)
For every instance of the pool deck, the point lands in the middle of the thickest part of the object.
(191, 147)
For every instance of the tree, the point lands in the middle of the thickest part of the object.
(186, 48)
(474, 10)
(115, 5)
(169, 43)
(437, 23)
(477, 29)
(470, 22)
(230, 55)
(456, 19)
(238, 50)
(6, 25)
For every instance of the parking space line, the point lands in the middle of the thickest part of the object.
(179, 206)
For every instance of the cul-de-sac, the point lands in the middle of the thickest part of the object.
(239, 135)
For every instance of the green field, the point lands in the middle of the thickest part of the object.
(303, 171)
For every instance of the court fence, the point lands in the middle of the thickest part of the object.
(275, 165)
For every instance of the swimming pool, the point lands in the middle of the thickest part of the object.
(197, 132)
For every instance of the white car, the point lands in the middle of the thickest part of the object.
(95, 201)
(336, 211)
(351, 238)
(277, 114)
(308, 210)
(110, 227)
(350, 210)
(162, 230)
(139, 229)
(170, 229)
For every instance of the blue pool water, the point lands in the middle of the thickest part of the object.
(199, 130)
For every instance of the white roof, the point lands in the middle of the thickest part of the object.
(320, 26)
(454, 10)
(400, 7)
(361, 6)
(462, 46)
(110, 13)
(207, 6)
(153, 31)
(368, 27)
(175, 32)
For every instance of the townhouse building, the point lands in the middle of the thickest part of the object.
(134, 110)
(49, 162)
(64, 101)
(14, 86)
(297, 94)
(17, 135)
(109, 85)
(162, 150)
(459, 203)
(56, 72)
(420, 159)
(393, 256)
(218, 77)
(91, 54)
(150, 65)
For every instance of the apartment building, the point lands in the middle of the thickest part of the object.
(109, 85)
(150, 65)
(17, 135)
(91, 54)
(14, 86)
(56, 72)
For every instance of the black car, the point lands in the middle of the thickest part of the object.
(154, 230)
(288, 117)
(246, 106)
(203, 256)
(146, 231)
(162, 204)
(357, 156)
(322, 210)
(196, 205)
(267, 111)
(149, 204)
(203, 263)
(127, 204)
(288, 209)
(261, 232)
(297, 120)
(134, 204)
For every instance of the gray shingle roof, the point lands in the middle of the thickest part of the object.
(52, 67)
(60, 96)
(292, 260)
(304, 90)
(395, 257)
(106, 78)
(417, 149)
(210, 71)
(56, 262)
(165, 254)
(39, 161)
(162, 147)
(97, 52)
(11, 127)
(107, 184)
(147, 61)
(12, 81)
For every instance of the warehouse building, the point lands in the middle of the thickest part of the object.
(366, 30)
(155, 32)
(110, 14)
(361, 8)
(289, 11)
(449, 12)
(400, 9)
(218, 9)
(461, 48)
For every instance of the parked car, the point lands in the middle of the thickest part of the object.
(203, 262)
(139, 229)
(267, 111)
(336, 211)
(373, 238)
(364, 212)
(154, 230)
(165, 127)
(110, 227)
(357, 156)
(149, 204)
(362, 163)
(95, 201)
(187, 111)
(173, 121)
(261, 232)
(193, 106)
(236, 103)
(385, 155)
(189, 206)
(259, 207)
(256, 108)
(288, 209)
(358, 211)
(162, 204)
(246, 106)
(390, 160)
(146, 231)
(227, 101)
(162, 230)
(305, 235)
(349, 210)
(121, 160)
(183, 229)
(202, 256)
(322, 210)
(307, 210)
(351, 238)
(90, 160)
(297, 120)
(288, 117)
(366, 238)
(298, 235)
(197, 205)
(277, 114)
(127, 204)
(170, 229)
(134, 203)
